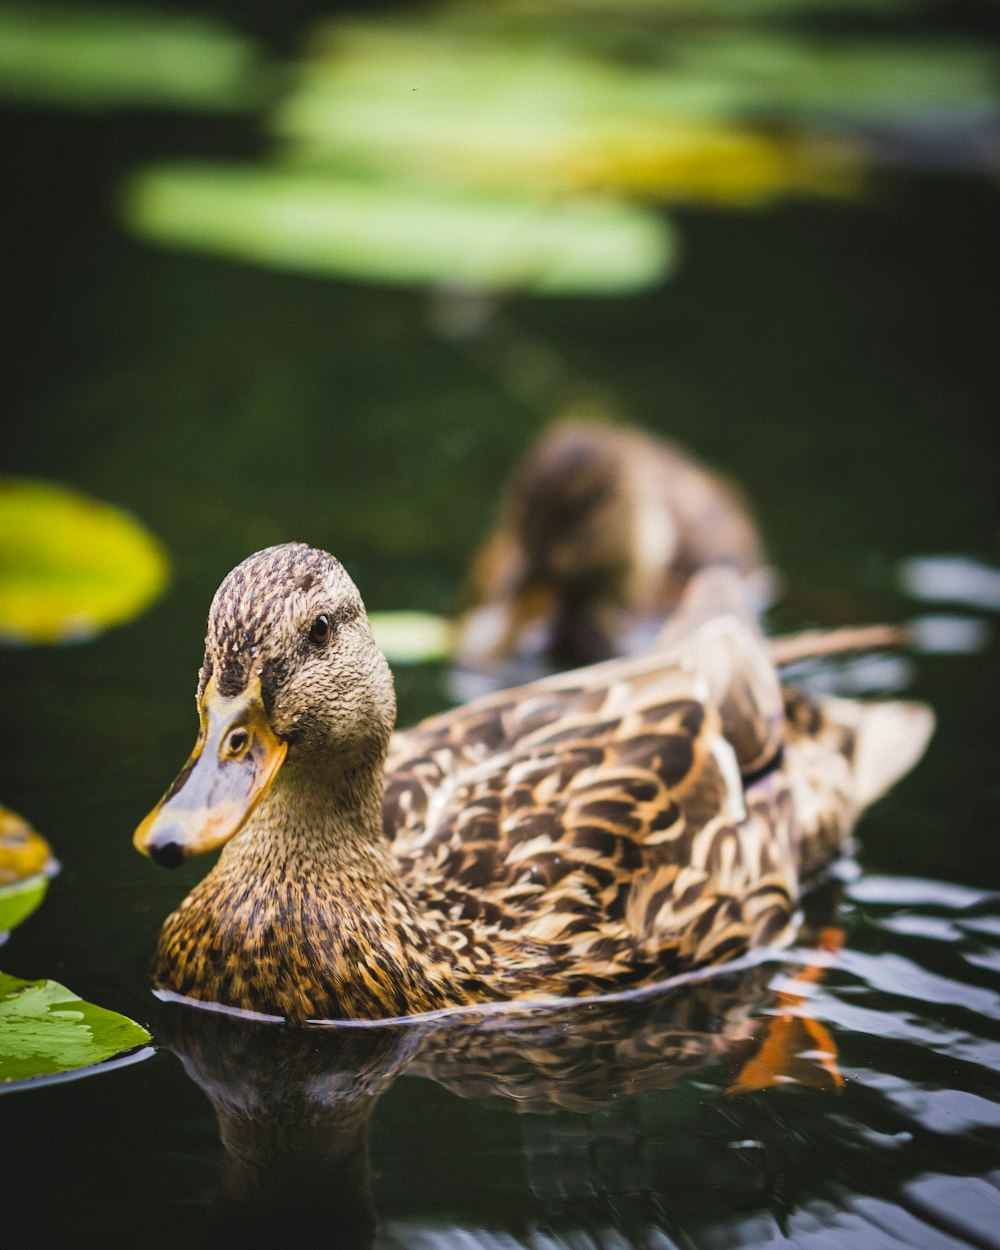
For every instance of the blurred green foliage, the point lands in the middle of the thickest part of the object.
(669, 11)
(450, 148)
(399, 232)
(540, 112)
(99, 58)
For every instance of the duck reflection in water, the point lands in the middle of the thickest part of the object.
(294, 1106)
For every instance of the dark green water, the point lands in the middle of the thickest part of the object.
(841, 362)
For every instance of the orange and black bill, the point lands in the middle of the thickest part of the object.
(231, 768)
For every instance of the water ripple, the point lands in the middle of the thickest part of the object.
(918, 892)
(902, 978)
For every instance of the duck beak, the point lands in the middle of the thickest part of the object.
(234, 762)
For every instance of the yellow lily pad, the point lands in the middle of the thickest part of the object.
(69, 565)
(23, 852)
(26, 864)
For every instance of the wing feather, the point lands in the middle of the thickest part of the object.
(626, 820)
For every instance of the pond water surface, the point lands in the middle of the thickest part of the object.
(840, 361)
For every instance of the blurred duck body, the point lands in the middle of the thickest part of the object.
(602, 528)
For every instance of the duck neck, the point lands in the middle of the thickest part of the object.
(306, 909)
(324, 821)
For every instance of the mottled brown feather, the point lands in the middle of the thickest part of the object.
(592, 831)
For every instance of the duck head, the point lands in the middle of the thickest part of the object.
(292, 680)
(552, 574)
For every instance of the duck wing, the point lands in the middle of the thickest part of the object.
(597, 812)
(632, 819)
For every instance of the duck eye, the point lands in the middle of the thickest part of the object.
(321, 630)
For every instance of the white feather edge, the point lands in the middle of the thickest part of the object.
(891, 738)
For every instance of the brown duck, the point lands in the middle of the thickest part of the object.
(602, 527)
(586, 833)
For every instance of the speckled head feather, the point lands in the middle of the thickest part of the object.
(259, 626)
(261, 598)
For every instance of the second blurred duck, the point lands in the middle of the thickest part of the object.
(601, 529)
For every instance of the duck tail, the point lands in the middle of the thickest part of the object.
(889, 739)
(889, 736)
(878, 742)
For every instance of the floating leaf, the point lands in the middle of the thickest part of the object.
(481, 108)
(412, 637)
(730, 115)
(19, 900)
(865, 81)
(46, 1029)
(26, 863)
(23, 852)
(80, 56)
(69, 565)
(396, 232)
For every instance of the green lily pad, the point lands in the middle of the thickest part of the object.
(64, 54)
(46, 1029)
(411, 637)
(398, 232)
(533, 113)
(19, 900)
(735, 115)
(26, 864)
(69, 565)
